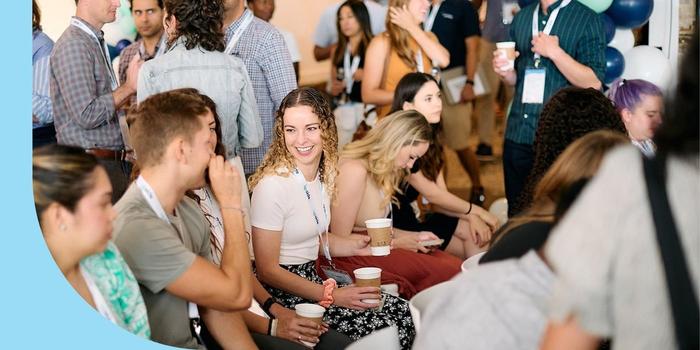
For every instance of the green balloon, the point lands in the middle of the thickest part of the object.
(597, 5)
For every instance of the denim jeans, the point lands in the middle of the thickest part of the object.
(518, 159)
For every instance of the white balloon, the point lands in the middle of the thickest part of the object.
(648, 63)
(122, 28)
(623, 40)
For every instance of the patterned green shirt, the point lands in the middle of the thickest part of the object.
(117, 284)
(581, 35)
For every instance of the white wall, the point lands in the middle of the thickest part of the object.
(55, 16)
(300, 17)
(296, 16)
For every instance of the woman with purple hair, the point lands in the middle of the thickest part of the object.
(640, 104)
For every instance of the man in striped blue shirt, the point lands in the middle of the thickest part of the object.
(565, 47)
(43, 131)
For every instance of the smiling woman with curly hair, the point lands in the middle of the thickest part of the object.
(293, 190)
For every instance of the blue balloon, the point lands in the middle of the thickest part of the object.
(121, 45)
(113, 52)
(523, 3)
(614, 64)
(609, 27)
(630, 13)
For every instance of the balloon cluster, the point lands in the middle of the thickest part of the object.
(622, 57)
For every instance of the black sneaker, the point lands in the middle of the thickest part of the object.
(478, 196)
(484, 152)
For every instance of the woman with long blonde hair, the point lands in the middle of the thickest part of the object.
(465, 227)
(405, 47)
(372, 171)
(292, 193)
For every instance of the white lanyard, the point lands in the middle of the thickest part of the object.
(320, 227)
(430, 19)
(247, 19)
(151, 198)
(419, 61)
(153, 202)
(161, 47)
(105, 51)
(548, 26)
(350, 69)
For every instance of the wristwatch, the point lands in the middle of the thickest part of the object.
(470, 82)
(267, 305)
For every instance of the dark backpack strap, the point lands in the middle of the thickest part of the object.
(684, 304)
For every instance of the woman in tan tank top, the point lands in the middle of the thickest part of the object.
(405, 47)
(370, 172)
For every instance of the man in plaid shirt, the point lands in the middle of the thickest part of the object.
(265, 55)
(148, 18)
(85, 92)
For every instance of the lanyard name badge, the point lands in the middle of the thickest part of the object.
(340, 276)
(430, 18)
(533, 87)
(247, 19)
(153, 202)
(428, 27)
(350, 69)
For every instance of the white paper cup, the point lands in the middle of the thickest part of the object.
(313, 312)
(379, 231)
(368, 277)
(507, 50)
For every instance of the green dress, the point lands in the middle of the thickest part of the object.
(120, 290)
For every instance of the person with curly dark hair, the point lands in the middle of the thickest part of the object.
(570, 113)
(195, 59)
(616, 281)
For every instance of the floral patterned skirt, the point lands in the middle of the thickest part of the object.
(353, 323)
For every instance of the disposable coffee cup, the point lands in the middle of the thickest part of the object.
(368, 277)
(313, 312)
(506, 49)
(379, 231)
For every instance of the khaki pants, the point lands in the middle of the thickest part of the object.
(456, 124)
(484, 105)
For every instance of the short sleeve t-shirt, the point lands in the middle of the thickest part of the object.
(280, 204)
(158, 253)
(456, 21)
